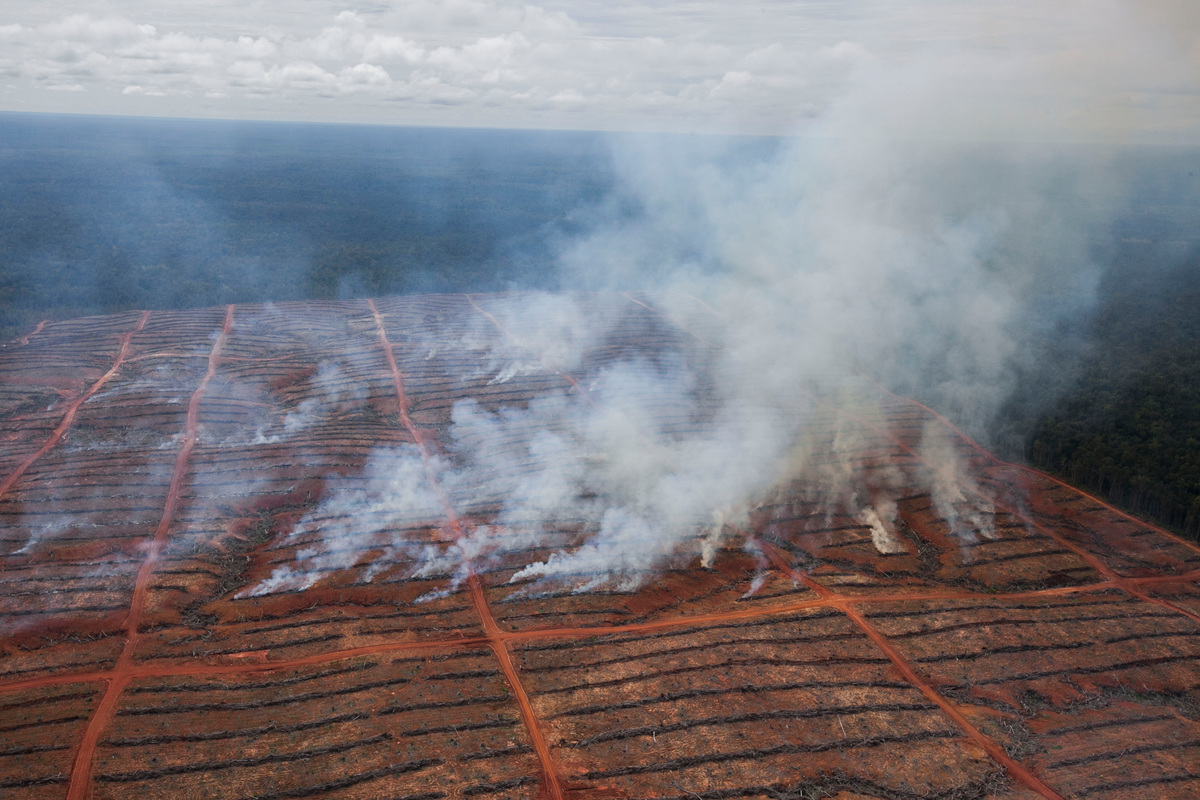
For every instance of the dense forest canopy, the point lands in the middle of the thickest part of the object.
(99, 215)
(1124, 418)
(104, 214)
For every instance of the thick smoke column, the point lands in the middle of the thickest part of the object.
(885, 244)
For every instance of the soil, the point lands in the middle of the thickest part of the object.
(159, 469)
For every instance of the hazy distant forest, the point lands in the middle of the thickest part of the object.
(101, 215)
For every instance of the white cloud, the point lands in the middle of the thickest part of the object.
(110, 31)
(703, 64)
(260, 47)
(364, 75)
(850, 51)
(393, 48)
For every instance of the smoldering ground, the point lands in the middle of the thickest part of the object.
(663, 455)
(893, 241)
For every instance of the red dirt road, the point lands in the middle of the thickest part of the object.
(73, 407)
(495, 641)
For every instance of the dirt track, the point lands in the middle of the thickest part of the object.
(149, 480)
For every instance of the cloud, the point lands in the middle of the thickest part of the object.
(489, 60)
(365, 76)
(1122, 69)
(350, 38)
(135, 89)
(105, 32)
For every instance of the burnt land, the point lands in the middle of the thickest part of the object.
(150, 481)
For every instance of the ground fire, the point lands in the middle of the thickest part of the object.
(404, 548)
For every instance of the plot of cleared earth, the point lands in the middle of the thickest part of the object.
(203, 596)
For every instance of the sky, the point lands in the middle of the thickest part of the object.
(1072, 69)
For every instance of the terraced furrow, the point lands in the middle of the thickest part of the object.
(266, 703)
(1150, 786)
(213, 766)
(1005, 621)
(1107, 669)
(239, 733)
(764, 753)
(627, 658)
(347, 781)
(750, 716)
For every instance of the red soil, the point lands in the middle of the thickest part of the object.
(1054, 658)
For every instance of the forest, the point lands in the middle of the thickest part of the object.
(100, 215)
(1128, 424)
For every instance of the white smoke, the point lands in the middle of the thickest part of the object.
(364, 515)
(329, 393)
(956, 495)
(894, 239)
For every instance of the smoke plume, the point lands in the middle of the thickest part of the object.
(893, 240)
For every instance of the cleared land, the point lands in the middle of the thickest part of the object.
(159, 468)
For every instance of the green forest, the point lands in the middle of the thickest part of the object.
(100, 215)
(1128, 425)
